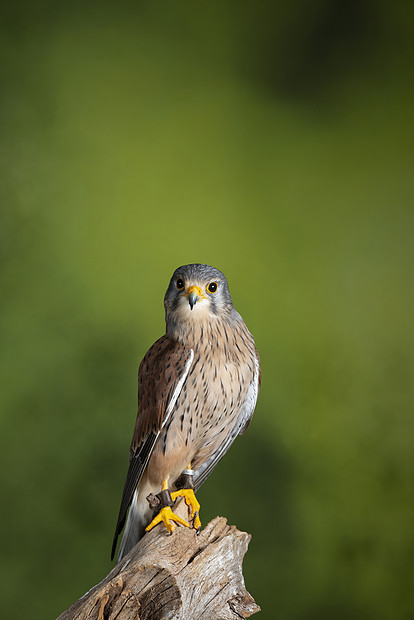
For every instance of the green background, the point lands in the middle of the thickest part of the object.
(273, 141)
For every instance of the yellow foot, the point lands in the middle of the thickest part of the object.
(167, 516)
(190, 500)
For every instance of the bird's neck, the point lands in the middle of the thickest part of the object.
(221, 334)
(189, 333)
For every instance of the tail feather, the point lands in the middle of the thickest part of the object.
(135, 526)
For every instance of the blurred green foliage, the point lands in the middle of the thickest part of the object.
(273, 141)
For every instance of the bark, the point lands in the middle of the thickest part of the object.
(182, 576)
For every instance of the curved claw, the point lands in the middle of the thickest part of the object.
(196, 522)
(192, 502)
(167, 516)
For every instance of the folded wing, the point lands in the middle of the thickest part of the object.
(161, 375)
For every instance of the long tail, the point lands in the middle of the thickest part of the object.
(138, 518)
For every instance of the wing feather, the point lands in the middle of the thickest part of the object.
(161, 376)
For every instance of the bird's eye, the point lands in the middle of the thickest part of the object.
(212, 287)
(179, 283)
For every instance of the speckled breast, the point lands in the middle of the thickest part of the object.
(211, 398)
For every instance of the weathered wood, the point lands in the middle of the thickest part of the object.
(182, 576)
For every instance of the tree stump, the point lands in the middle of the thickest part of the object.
(183, 576)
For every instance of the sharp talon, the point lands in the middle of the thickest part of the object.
(191, 501)
(198, 530)
(167, 516)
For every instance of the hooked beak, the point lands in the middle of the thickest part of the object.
(193, 294)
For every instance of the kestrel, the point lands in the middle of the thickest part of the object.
(197, 390)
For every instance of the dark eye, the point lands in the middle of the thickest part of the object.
(212, 287)
(179, 283)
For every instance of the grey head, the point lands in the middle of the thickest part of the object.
(197, 292)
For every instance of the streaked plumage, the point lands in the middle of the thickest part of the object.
(197, 390)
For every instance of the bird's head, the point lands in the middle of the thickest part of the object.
(196, 292)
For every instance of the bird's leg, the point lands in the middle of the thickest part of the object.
(166, 515)
(187, 491)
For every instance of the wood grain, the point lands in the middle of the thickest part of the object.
(182, 576)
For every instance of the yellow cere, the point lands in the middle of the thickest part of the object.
(195, 289)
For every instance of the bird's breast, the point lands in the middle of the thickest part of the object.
(211, 398)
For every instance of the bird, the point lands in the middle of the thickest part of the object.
(197, 390)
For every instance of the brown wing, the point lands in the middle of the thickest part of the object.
(159, 373)
(161, 376)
